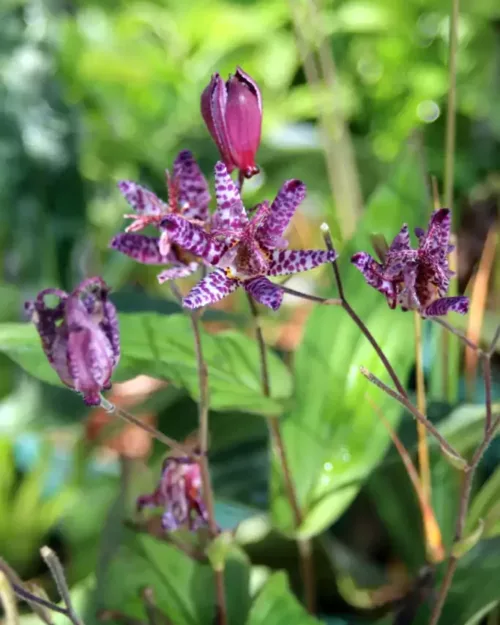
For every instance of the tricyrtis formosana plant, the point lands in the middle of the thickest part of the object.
(237, 246)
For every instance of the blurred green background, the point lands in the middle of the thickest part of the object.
(93, 92)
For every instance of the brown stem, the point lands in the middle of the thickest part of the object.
(304, 545)
(496, 338)
(162, 438)
(203, 406)
(463, 508)
(458, 333)
(358, 321)
(311, 298)
(416, 413)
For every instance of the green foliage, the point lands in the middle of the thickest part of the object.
(276, 604)
(183, 588)
(163, 346)
(327, 431)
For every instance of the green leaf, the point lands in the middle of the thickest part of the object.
(183, 588)
(486, 506)
(276, 605)
(474, 590)
(333, 436)
(467, 543)
(463, 428)
(163, 346)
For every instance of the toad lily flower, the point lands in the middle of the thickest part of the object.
(79, 336)
(180, 494)
(232, 111)
(416, 279)
(244, 251)
(188, 196)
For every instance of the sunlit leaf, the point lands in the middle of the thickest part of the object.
(276, 604)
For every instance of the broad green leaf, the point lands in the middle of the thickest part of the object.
(163, 346)
(333, 436)
(276, 605)
(486, 506)
(184, 589)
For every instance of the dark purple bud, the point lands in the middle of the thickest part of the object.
(233, 114)
(79, 336)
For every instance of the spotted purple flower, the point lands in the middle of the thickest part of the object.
(188, 196)
(244, 251)
(179, 492)
(232, 111)
(416, 279)
(79, 336)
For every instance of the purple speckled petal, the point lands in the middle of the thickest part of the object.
(93, 292)
(291, 194)
(373, 274)
(401, 242)
(90, 355)
(264, 291)
(177, 272)
(194, 196)
(211, 289)
(141, 248)
(230, 213)
(407, 294)
(193, 238)
(284, 262)
(399, 255)
(141, 199)
(46, 320)
(437, 238)
(445, 305)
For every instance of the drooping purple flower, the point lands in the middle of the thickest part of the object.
(244, 251)
(180, 493)
(232, 111)
(79, 336)
(188, 196)
(416, 279)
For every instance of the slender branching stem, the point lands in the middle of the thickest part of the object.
(352, 314)
(491, 426)
(417, 414)
(312, 298)
(458, 333)
(304, 545)
(159, 436)
(203, 407)
(57, 572)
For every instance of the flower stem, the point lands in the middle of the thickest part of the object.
(433, 539)
(352, 314)
(465, 492)
(162, 438)
(416, 413)
(57, 572)
(304, 545)
(312, 298)
(203, 407)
